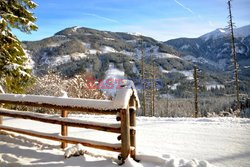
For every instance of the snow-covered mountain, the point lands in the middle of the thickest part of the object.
(79, 44)
(224, 32)
(79, 50)
(243, 31)
(213, 50)
(218, 33)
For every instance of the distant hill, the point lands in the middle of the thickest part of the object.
(105, 54)
(214, 49)
(82, 44)
(224, 32)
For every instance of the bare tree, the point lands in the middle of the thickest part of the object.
(153, 87)
(196, 92)
(231, 27)
(143, 83)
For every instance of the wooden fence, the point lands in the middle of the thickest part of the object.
(123, 105)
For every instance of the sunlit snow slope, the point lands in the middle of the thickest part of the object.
(168, 142)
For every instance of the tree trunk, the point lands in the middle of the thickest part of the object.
(234, 56)
(143, 84)
(196, 92)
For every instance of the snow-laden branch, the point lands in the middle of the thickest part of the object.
(1, 90)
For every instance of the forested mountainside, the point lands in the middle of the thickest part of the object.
(214, 48)
(103, 54)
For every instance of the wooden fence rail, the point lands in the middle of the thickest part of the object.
(123, 105)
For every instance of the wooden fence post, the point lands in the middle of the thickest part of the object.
(1, 117)
(125, 133)
(64, 129)
(1, 120)
(133, 132)
(132, 113)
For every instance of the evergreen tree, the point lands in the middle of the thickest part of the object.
(14, 69)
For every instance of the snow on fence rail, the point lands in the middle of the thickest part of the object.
(123, 105)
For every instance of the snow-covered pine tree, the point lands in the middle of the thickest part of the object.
(14, 71)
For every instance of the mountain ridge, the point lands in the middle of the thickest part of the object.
(215, 46)
(77, 50)
(243, 31)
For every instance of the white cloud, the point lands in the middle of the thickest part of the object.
(211, 23)
(169, 28)
(101, 17)
(188, 9)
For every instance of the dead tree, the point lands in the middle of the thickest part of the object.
(231, 28)
(153, 88)
(143, 83)
(196, 89)
(167, 109)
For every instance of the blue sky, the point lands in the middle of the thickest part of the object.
(160, 19)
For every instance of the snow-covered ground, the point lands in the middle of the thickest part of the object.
(188, 74)
(214, 86)
(114, 74)
(163, 70)
(174, 86)
(167, 55)
(220, 141)
(108, 49)
(134, 69)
